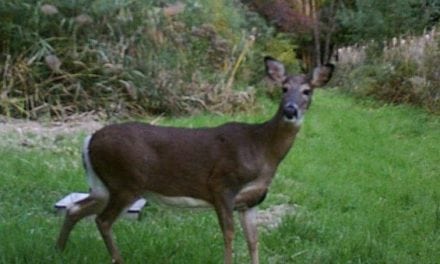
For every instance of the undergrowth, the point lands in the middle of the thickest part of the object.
(127, 57)
(401, 71)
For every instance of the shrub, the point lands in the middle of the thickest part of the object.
(63, 57)
(405, 71)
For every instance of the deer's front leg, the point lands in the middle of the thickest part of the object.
(245, 203)
(248, 220)
(224, 206)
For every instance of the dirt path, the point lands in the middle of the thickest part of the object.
(25, 133)
(83, 123)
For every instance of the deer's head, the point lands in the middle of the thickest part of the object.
(297, 89)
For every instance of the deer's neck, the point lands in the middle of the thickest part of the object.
(279, 136)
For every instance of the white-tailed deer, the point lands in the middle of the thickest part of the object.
(229, 167)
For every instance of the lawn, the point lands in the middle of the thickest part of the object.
(365, 179)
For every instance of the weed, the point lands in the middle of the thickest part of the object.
(61, 58)
(402, 71)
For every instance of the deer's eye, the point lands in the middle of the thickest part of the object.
(284, 89)
(307, 92)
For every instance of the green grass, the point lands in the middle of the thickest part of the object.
(365, 177)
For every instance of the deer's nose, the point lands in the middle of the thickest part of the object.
(290, 111)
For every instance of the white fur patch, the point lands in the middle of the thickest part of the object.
(178, 201)
(295, 121)
(251, 187)
(249, 216)
(99, 190)
(75, 208)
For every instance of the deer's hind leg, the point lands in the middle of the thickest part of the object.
(88, 206)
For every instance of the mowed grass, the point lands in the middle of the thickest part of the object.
(366, 179)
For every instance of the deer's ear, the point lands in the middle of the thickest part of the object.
(275, 69)
(322, 75)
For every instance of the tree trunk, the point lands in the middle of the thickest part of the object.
(332, 27)
(316, 31)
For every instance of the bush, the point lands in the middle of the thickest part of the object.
(63, 57)
(405, 72)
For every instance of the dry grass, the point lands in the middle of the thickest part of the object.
(403, 70)
(121, 58)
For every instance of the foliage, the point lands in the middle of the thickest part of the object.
(282, 47)
(364, 20)
(405, 71)
(63, 57)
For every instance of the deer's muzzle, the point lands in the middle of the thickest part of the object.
(290, 111)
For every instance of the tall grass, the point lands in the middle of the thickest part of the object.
(404, 70)
(63, 57)
(364, 177)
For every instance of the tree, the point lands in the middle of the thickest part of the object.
(320, 25)
(363, 20)
(311, 22)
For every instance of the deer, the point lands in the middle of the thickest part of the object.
(228, 168)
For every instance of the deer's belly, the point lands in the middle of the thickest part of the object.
(177, 201)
